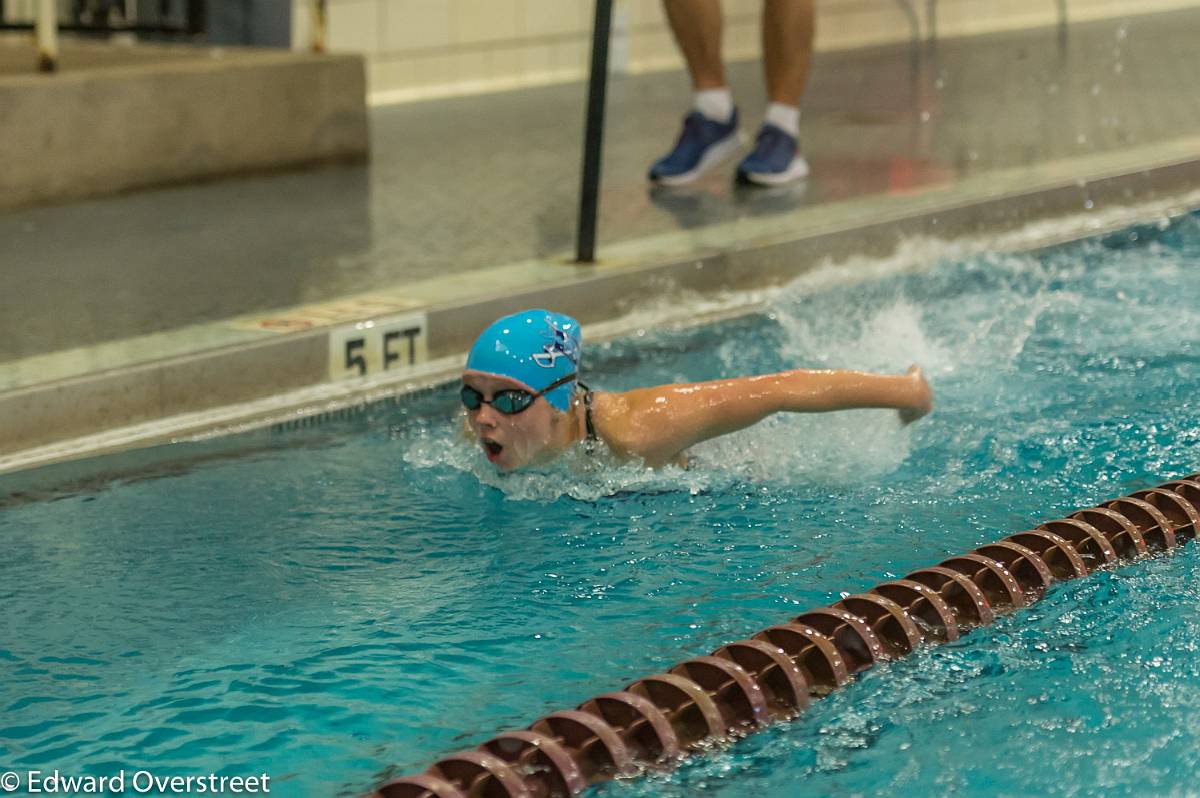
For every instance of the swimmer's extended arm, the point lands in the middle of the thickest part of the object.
(661, 422)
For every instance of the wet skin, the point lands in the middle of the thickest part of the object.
(657, 425)
(534, 435)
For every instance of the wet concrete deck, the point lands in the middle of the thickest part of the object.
(469, 200)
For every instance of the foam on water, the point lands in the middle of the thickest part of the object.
(575, 474)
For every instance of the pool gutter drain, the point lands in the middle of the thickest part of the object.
(750, 683)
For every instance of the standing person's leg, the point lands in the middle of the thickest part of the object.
(710, 131)
(697, 26)
(787, 39)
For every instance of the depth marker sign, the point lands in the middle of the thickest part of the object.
(370, 348)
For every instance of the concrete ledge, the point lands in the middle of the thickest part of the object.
(247, 384)
(171, 114)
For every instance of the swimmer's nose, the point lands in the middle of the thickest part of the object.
(486, 416)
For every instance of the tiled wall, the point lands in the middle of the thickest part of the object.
(429, 48)
(20, 10)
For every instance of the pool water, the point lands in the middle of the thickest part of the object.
(339, 604)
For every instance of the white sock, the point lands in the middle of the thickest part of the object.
(716, 104)
(784, 117)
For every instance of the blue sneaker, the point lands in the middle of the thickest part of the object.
(776, 159)
(702, 145)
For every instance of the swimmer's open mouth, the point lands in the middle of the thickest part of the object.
(492, 448)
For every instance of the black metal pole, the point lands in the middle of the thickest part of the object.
(593, 135)
(197, 17)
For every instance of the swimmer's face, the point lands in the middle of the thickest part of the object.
(509, 441)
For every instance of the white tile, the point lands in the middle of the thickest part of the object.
(477, 21)
(353, 27)
(645, 13)
(746, 10)
(537, 61)
(556, 17)
(743, 39)
(440, 70)
(394, 75)
(508, 65)
(416, 24)
(653, 49)
(473, 65)
(572, 56)
(301, 24)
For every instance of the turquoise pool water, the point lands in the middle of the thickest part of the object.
(338, 604)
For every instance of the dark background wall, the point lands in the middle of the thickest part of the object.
(263, 23)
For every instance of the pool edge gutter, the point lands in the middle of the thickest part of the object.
(284, 378)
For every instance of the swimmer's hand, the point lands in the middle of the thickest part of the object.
(922, 396)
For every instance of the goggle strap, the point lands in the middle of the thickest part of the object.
(557, 383)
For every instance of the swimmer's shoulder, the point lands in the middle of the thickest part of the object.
(614, 422)
(609, 416)
(626, 430)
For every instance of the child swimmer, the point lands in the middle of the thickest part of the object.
(525, 404)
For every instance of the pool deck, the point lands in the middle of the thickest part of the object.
(171, 313)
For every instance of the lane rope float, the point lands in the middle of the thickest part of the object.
(772, 676)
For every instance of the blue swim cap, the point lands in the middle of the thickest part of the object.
(534, 347)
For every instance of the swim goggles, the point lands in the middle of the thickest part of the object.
(509, 402)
